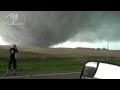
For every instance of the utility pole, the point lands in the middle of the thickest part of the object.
(107, 49)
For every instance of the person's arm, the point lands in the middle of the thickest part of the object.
(16, 50)
(16, 54)
(9, 52)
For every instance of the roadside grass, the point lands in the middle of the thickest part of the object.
(49, 65)
(40, 65)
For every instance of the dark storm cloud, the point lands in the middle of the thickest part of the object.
(46, 28)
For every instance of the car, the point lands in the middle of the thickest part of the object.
(100, 70)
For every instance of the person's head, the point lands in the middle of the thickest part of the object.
(14, 46)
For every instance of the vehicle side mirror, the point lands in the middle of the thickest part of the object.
(100, 70)
(89, 70)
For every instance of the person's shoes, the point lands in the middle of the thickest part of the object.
(14, 74)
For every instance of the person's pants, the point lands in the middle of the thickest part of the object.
(12, 61)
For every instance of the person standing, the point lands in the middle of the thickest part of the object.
(12, 59)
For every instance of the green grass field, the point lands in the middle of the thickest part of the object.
(49, 65)
(39, 65)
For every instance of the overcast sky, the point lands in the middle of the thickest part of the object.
(62, 28)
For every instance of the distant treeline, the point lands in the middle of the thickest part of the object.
(82, 48)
